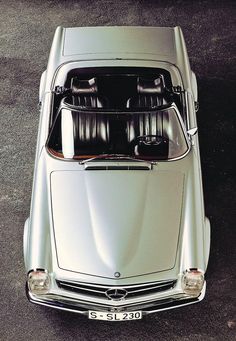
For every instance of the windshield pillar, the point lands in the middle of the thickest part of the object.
(67, 134)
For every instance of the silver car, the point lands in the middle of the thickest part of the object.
(117, 228)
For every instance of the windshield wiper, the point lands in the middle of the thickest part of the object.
(116, 157)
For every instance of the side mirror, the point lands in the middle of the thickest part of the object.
(196, 105)
(192, 131)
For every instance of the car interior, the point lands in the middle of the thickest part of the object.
(115, 111)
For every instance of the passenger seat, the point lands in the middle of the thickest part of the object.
(85, 94)
(91, 129)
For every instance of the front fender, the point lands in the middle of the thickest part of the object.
(38, 235)
(25, 241)
(207, 240)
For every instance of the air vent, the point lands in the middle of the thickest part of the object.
(118, 165)
(112, 167)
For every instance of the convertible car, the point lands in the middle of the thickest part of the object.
(117, 228)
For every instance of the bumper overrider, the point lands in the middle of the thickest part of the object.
(83, 297)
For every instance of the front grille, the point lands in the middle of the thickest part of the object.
(133, 291)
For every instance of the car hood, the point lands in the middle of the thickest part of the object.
(116, 221)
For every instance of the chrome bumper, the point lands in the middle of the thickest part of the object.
(82, 306)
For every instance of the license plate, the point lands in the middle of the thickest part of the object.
(124, 316)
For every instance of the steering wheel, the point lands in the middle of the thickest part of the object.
(147, 139)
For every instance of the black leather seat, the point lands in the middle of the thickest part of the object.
(85, 94)
(92, 133)
(91, 130)
(150, 94)
(147, 135)
(147, 132)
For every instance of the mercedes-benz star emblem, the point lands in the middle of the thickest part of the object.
(117, 274)
(116, 294)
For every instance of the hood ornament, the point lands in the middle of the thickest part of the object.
(117, 274)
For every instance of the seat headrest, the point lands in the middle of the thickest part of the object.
(81, 86)
(150, 86)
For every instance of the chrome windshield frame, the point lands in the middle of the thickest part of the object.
(172, 106)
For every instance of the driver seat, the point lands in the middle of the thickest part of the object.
(147, 133)
(150, 97)
(150, 94)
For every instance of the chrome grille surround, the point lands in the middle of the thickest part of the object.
(132, 291)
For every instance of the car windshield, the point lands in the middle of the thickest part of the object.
(149, 135)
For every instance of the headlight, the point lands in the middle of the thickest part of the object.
(192, 282)
(39, 282)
